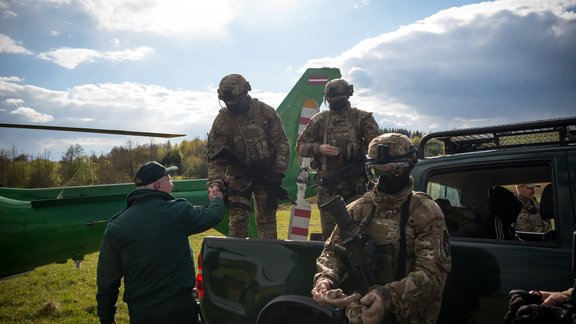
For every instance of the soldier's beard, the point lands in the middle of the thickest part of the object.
(338, 104)
(393, 184)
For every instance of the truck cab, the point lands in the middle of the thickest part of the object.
(471, 174)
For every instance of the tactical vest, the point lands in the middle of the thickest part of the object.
(344, 131)
(388, 265)
(250, 134)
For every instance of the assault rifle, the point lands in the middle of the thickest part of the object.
(255, 173)
(359, 251)
(350, 170)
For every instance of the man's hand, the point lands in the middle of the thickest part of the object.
(329, 150)
(374, 308)
(322, 286)
(555, 298)
(215, 192)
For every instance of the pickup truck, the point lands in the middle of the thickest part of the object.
(269, 281)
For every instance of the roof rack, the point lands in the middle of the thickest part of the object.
(549, 132)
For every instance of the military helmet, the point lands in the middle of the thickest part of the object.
(338, 88)
(390, 154)
(232, 86)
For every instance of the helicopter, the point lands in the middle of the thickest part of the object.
(52, 225)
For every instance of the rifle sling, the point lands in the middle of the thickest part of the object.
(401, 265)
(325, 139)
(401, 268)
(365, 222)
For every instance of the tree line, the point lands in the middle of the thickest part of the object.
(75, 167)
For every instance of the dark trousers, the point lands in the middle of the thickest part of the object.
(182, 310)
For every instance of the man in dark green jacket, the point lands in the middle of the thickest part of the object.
(148, 245)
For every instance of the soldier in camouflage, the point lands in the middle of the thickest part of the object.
(410, 284)
(529, 219)
(335, 138)
(254, 131)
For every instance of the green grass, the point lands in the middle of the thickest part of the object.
(60, 293)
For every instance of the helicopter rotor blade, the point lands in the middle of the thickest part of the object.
(92, 130)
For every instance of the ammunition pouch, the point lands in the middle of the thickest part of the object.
(383, 263)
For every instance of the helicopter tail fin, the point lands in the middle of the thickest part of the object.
(298, 107)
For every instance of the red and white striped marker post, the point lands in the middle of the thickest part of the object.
(301, 212)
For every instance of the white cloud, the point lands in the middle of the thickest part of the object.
(129, 54)
(13, 102)
(6, 11)
(70, 58)
(195, 19)
(13, 79)
(8, 45)
(31, 115)
(163, 17)
(468, 66)
(127, 106)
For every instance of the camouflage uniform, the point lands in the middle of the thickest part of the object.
(349, 129)
(417, 297)
(529, 219)
(257, 136)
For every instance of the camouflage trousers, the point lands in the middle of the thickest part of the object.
(349, 189)
(239, 206)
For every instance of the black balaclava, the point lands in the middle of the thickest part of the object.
(393, 184)
(338, 104)
(239, 107)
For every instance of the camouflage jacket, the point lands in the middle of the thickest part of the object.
(417, 297)
(257, 135)
(529, 219)
(349, 129)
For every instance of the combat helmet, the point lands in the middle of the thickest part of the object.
(338, 88)
(232, 86)
(390, 154)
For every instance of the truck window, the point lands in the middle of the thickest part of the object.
(475, 199)
(438, 190)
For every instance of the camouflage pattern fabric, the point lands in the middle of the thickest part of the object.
(417, 297)
(349, 129)
(529, 219)
(257, 135)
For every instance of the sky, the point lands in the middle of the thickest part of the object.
(155, 65)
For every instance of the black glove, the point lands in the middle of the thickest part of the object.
(541, 314)
(275, 191)
(276, 178)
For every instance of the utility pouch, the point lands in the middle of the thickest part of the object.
(384, 262)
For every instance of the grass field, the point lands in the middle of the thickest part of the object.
(60, 293)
